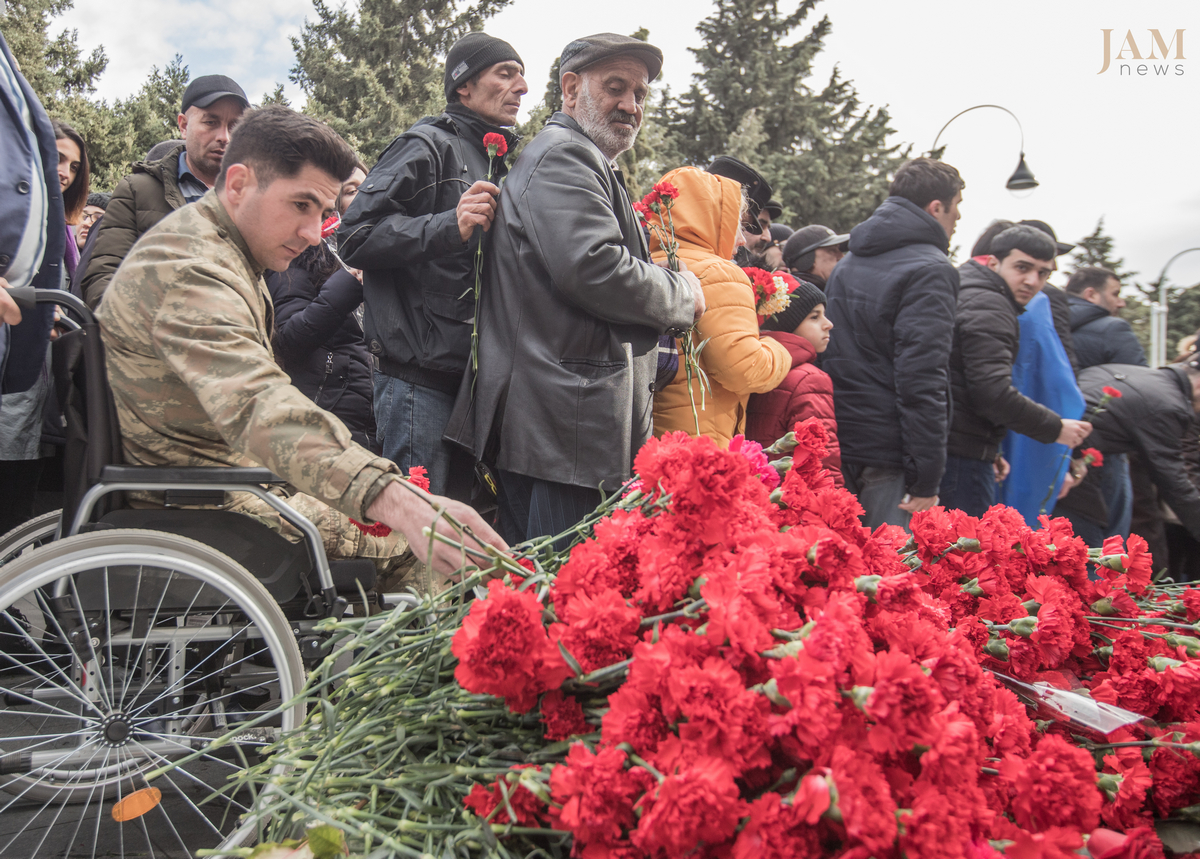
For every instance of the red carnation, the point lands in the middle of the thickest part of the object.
(777, 831)
(596, 794)
(666, 191)
(417, 477)
(1054, 786)
(864, 800)
(375, 529)
(602, 632)
(1092, 457)
(1110, 391)
(700, 803)
(530, 810)
(643, 211)
(1139, 843)
(495, 144)
(504, 650)
(563, 716)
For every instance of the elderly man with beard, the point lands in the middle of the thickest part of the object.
(572, 307)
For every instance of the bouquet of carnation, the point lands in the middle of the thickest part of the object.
(724, 665)
(772, 291)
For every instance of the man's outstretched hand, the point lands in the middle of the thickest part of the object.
(409, 510)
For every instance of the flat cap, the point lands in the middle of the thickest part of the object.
(581, 53)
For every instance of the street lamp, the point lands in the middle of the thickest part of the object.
(1158, 315)
(1022, 178)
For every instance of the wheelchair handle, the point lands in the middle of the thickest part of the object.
(27, 298)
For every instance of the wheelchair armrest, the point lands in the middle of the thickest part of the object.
(187, 475)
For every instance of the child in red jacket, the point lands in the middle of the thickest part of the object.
(806, 391)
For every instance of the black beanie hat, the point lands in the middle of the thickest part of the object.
(473, 53)
(804, 299)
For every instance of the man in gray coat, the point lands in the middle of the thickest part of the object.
(572, 308)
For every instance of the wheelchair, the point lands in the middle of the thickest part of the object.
(131, 638)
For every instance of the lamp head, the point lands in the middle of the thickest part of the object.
(1022, 178)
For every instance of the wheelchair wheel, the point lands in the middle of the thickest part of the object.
(38, 531)
(136, 648)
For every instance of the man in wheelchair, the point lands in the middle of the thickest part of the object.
(187, 325)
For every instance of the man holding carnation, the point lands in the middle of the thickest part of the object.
(414, 230)
(987, 334)
(1144, 411)
(572, 308)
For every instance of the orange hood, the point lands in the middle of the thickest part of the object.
(707, 212)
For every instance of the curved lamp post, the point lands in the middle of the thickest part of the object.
(1158, 315)
(1022, 178)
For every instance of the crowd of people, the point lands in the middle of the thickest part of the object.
(518, 331)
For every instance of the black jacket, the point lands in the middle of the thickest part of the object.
(891, 300)
(402, 231)
(1100, 337)
(319, 343)
(1152, 417)
(569, 320)
(986, 338)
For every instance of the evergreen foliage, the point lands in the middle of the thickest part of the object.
(372, 71)
(828, 158)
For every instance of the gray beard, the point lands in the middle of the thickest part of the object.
(598, 126)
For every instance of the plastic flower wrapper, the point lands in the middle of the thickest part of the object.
(772, 291)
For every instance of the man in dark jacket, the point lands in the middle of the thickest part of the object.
(211, 107)
(572, 307)
(986, 338)
(891, 301)
(1100, 335)
(412, 231)
(1152, 417)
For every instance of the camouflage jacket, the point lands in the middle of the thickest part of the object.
(187, 337)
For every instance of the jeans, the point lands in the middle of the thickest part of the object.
(968, 485)
(1117, 489)
(410, 420)
(531, 508)
(879, 491)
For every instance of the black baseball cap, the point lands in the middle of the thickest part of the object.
(1060, 248)
(203, 91)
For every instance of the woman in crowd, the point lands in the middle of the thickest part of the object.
(318, 337)
(807, 390)
(738, 362)
(21, 447)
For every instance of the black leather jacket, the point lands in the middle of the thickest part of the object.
(402, 231)
(569, 320)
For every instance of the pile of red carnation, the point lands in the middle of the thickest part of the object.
(790, 684)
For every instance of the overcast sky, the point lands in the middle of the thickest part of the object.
(1121, 147)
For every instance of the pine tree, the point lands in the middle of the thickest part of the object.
(826, 156)
(373, 71)
(55, 69)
